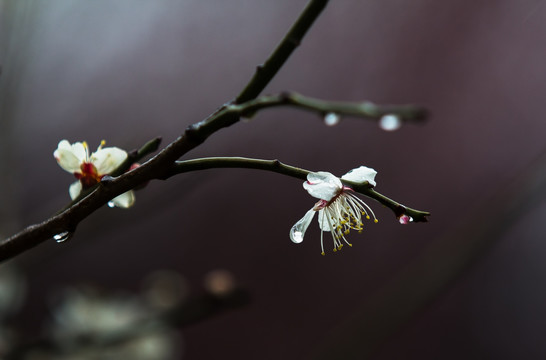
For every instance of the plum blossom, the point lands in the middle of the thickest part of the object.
(339, 211)
(90, 169)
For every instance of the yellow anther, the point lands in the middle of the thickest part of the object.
(375, 221)
(351, 245)
(368, 217)
(335, 249)
(322, 253)
(85, 144)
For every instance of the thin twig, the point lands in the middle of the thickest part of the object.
(363, 109)
(265, 73)
(279, 167)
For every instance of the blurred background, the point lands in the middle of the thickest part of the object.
(468, 284)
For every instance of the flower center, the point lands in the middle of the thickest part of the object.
(89, 175)
(345, 212)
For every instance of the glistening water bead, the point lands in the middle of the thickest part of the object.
(390, 122)
(331, 119)
(62, 237)
(297, 237)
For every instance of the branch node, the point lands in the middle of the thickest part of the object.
(193, 134)
(285, 96)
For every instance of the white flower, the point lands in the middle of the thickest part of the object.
(90, 169)
(339, 210)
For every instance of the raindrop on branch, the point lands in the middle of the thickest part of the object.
(63, 236)
(405, 219)
(111, 204)
(331, 119)
(390, 122)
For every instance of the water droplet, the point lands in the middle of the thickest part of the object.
(298, 230)
(331, 119)
(111, 204)
(405, 219)
(297, 237)
(390, 122)
(63, 236)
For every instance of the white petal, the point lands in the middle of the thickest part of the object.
(322, 176)
(125, 200)
(298, 230)
(75, 189)
(108, 159)
(360, 175)
(322, 185)
(79, 149)
(324, 224)
(70, 157)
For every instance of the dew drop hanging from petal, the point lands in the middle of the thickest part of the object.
(297, 236)
(298, 230)
(390, 122)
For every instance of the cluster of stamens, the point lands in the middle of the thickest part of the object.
(345, 212)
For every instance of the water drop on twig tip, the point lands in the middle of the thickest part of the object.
(405, 219)
(390, 122)
(331, 119)
(111, 204)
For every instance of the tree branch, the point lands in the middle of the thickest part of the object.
(67, 220)
(278, 167)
